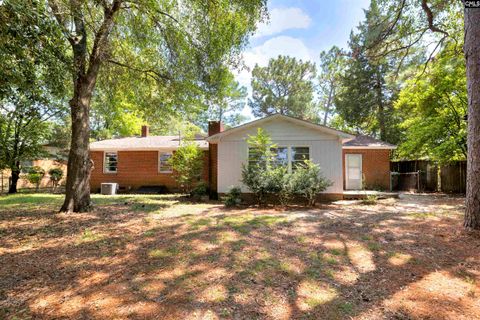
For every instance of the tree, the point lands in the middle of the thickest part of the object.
(226, 100)
(332, 63)
(364, 99)
(35, 176)
(151, 39)
(408, 24)
(259, 174)
(285, 86)
(472, 57)
(187, 163)
(32, 84)
(154, 40)
(436, 103)
(56, 174)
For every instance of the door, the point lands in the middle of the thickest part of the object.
(353, 170)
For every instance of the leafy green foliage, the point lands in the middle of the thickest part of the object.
(226, 100)
(332, 63)
(263, 176)
(233, 197)
(436, 104)
(187, 164)
(35, 175)
(285, 86)
(56, 174)
(365, 99)
(32, 79)
(307, 181)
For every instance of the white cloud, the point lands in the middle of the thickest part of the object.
(272, 48)
(282, 19)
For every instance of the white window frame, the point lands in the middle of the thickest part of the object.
(159, 161)
(289, 154)
(105, 169)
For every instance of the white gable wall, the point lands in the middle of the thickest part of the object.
(325, 149)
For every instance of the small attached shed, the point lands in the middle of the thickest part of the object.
(366, 164)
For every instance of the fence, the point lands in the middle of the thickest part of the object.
(22, 184)
(428, 176)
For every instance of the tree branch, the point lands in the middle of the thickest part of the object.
(157, 76)
(431, 25)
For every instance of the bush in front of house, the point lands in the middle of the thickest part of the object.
(56, 175)
(307, 181)
(187, 164)
(200, 191)
(35, 175)
(233, 197)
(264, 176)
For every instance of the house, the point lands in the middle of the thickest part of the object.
(53, 158)
(350, 162)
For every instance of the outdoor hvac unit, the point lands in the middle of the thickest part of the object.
(109, 188)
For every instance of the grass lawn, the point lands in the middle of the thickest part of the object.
(159, 257)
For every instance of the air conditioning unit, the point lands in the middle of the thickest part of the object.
(109, 188)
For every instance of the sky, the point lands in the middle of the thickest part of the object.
(302, 29)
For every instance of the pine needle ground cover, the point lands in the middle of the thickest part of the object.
(161, 257)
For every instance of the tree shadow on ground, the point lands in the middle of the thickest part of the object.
(406, 259)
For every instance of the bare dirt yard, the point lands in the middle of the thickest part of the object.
(159, 257)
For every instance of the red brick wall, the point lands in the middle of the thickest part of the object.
(213, 166)
(375, 167)
(135, 169)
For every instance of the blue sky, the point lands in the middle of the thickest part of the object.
(301, 29)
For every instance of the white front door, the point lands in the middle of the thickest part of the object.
(353, 171)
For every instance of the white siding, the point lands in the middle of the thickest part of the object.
(325, 149)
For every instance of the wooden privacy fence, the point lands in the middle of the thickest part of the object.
(428, 176)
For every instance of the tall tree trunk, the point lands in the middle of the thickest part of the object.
(15, 176)
(77, 189)
(381, 108)
(472, 56)
(329, 103)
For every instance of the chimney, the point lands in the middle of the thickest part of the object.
(145, 131)
(214, 127)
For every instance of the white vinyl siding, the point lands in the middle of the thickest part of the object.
(324, 149)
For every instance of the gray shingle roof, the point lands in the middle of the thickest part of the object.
(144, 143)
(366, 141)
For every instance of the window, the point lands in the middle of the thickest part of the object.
(163, 164)
(299, 155)
(110, 162)
(281, 156)
(285, 156)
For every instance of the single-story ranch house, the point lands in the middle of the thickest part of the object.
(350, 162)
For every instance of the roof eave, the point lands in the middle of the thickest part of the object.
(370, 147)
(217, 137)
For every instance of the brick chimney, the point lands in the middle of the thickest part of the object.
(145, 131)
(214, 127)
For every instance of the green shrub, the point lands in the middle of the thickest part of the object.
(307, 181)
(187, 165)
(200, 190)
(35, 175)
(56, 175)
(262, 176)
(233, 197)
(370, 199)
